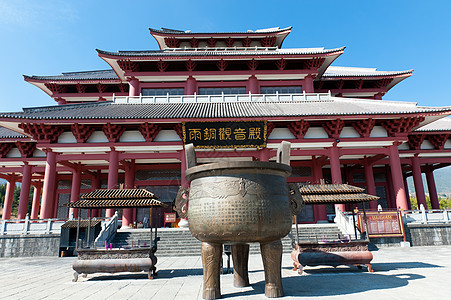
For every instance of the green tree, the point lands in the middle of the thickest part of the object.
(414, 203)
(445, 203)
(2, 193)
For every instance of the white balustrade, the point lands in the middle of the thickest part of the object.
(223, 98)
(30, 226)
(423, 216)
(108, 231)
(346, 224)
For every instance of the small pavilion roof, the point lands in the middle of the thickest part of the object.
(83, 223)
(83, 75)
(333, 193)
(116, 198)
(338, 198)
(333, 106)
(319, 189)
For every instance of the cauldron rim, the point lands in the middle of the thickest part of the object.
(238, 165)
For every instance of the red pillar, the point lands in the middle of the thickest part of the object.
(370, 185)
(56, 199)
(319, 210)
(48, 194)
(335, 171)
(432, 188)
(390, 193)
(36, 199)
(418, 182)
(397, 178)
(406, 186)
(96, 184)
(265, 154)
(24, 192)
(9, 197)
(113, 169)
(253, 85)
(129, 182)
(191, 86)
(75, 189)
(308, 84)
(134, 89)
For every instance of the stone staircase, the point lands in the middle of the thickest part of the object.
(178, 241)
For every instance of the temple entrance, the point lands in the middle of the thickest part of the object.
(166, 195)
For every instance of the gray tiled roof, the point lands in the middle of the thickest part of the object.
(334, 71)
(258, 31)
(227, 52)
(439, 125)
(334, 107)
(6, 133)
(85, 75)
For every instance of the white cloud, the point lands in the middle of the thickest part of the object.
(33, 13)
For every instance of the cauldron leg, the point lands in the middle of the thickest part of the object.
(240, 257)
(211, 259)
(272, 262)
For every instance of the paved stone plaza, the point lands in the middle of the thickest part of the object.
(400, 273)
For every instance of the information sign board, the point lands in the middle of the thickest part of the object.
(382, 223)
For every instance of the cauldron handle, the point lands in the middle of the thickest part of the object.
(283, 153)
(190, 156)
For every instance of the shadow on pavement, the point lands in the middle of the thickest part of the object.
(161, 274)
(171, 273)
(347, 269)
(403, 265)
(313, 286)
(122, 276)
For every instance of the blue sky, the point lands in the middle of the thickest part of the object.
(48, 37)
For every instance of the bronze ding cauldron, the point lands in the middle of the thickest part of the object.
(238, 203)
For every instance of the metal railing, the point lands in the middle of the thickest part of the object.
(222, 98)
(31, 226)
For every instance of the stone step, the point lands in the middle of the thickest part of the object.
(180, 242)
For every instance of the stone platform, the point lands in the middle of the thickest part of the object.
(400, 273)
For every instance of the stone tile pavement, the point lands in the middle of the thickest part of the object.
(400, 273)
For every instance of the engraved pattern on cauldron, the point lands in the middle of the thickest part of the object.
(239, 208)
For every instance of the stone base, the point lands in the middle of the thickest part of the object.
(405, 244)
(29, 245)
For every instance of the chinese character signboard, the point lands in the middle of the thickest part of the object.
(383, 224)
(246, 134)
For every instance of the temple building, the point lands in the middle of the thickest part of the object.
(236, 96)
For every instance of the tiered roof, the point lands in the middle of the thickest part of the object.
(439, 125)
(77, 76)
(334, 106)
(171, 38)
(346, 72)
(204, 54)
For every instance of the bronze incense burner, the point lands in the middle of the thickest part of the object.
(238, 203)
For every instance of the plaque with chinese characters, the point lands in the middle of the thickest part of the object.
(382, 224)
(229, 134)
